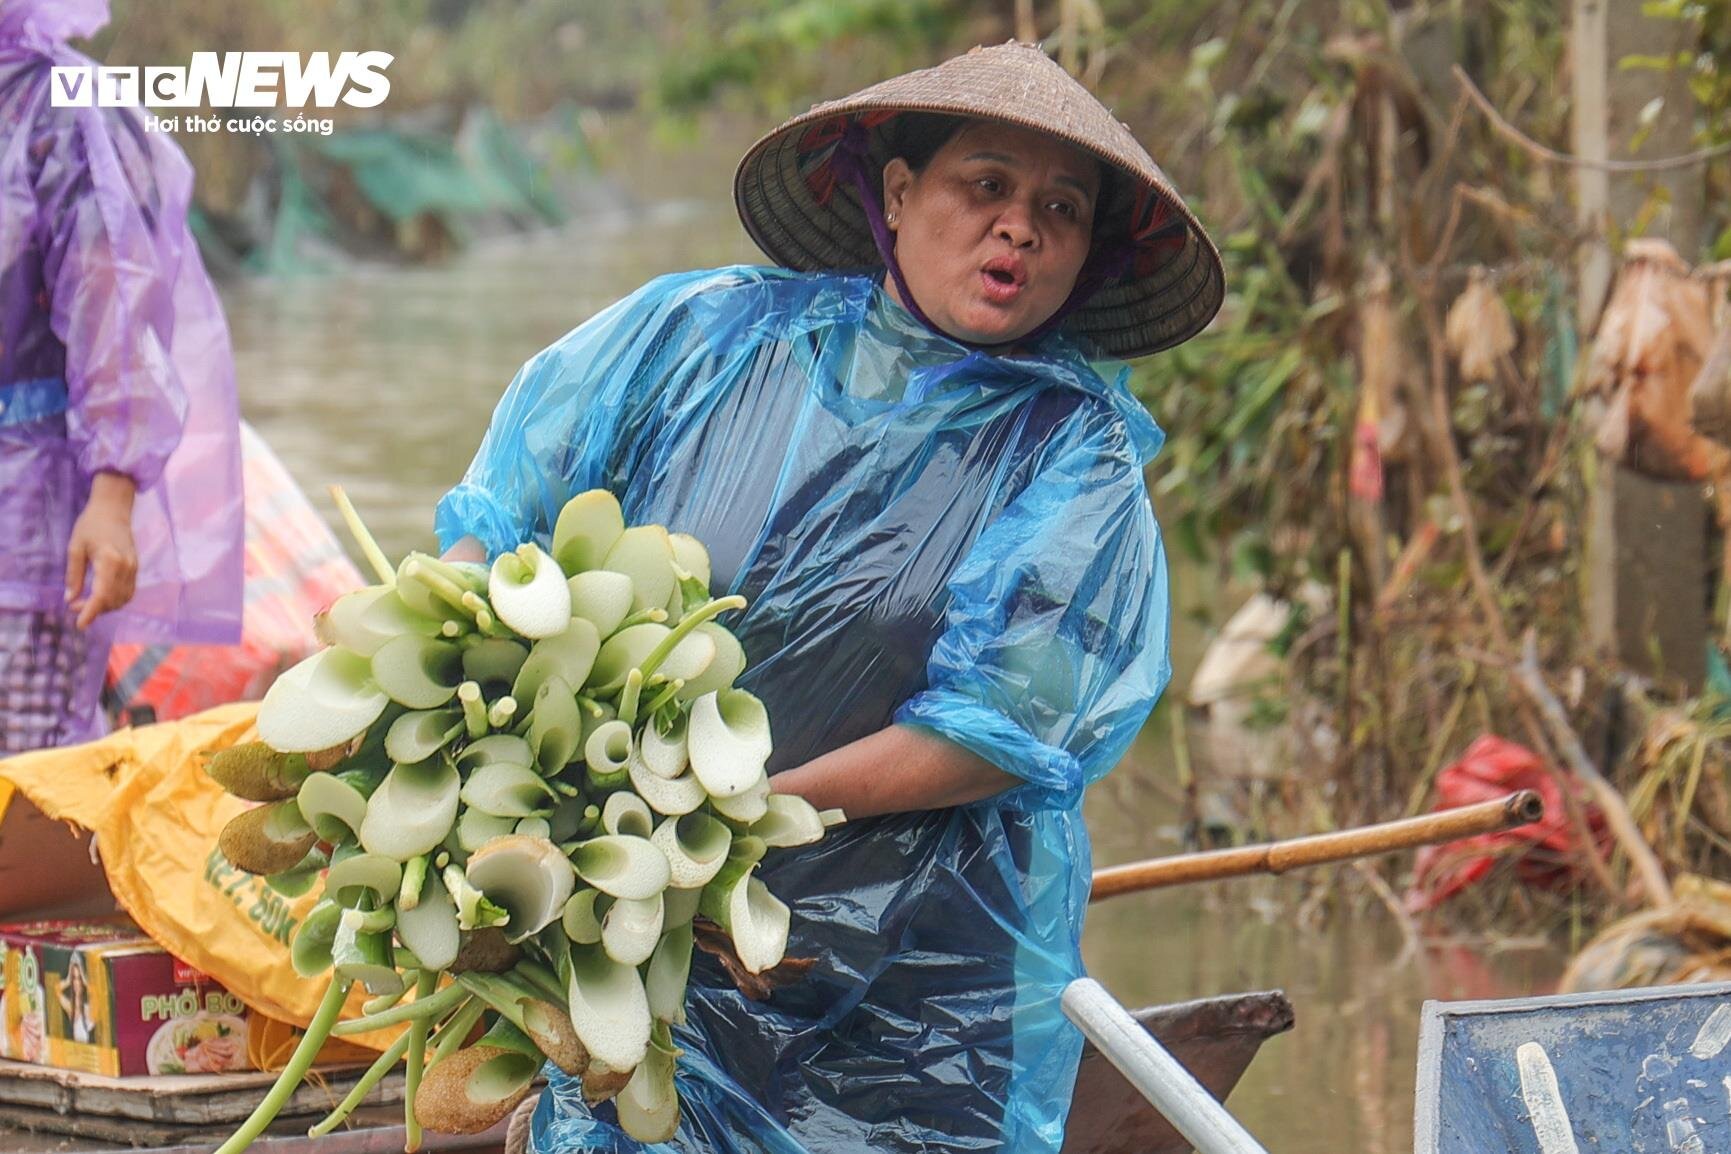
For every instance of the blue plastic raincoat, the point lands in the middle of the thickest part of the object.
(927, 535)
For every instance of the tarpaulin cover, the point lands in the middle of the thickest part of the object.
(1546, 853)
(113, 350)
(927, 535)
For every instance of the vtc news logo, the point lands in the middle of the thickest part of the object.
(231, 80)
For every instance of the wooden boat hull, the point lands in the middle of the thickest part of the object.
(1215, 1039)
(71, 1113)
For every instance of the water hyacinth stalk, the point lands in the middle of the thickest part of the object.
(663, 748)
(419, 672)
(579, 920)
(669, 970)
(493, 664)
(745, 808)
(729, 741)
(501, 789)
(267, 840)
(609, 1008)
(475, 828)
(644, 553)
(622, 867)
(789, 821)
(526, 877)
(671, 797)
(474, 1089)
(326, 700)
(687, 650)
(300, 878)
(627, 813)
(294, 1071)
(690, 555)
(727, 664)
(310, 949)
(353, 876)
(419, 735)
(681, 906)
(608, 753)
(695, 846)
(649, 1104)
(362, 622)
(527, 592)
(631, 929)
(569, 654)
(498, 747)
(622, 652)
(602, 1083)
(430, 929)
(435, 588)
(556, 727)
(602, 598)
(256, 772)
(414, 881)
(587, 527)
(412, 810)
(474, 911)
(756, 920)
(363, 954)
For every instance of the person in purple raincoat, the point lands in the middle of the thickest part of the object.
(121, 514)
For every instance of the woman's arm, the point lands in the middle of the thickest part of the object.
(897, 769)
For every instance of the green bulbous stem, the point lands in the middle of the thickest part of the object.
(456, 1029)
(474, 709)
(683, 630)
(364, 537)
(318, 1030)
(364, 1086)
(419, 1009)
(417, 1057)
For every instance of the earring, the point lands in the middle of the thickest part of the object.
(889, 218)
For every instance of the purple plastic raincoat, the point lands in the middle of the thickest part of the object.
(113, 352)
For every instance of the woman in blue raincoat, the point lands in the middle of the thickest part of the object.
(905, 457)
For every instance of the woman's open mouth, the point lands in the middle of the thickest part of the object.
(1002, 279)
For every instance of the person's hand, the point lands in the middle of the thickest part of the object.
(102, 551)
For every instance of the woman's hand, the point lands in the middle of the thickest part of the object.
(468, 549)
(895, 770)
(102, 550)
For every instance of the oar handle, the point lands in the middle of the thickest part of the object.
(1519, 808)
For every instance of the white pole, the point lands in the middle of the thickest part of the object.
(1155, 1073)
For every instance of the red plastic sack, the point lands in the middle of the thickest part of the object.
(294, 568)
(1545, 852)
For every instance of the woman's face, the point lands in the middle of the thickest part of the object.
(992, 233)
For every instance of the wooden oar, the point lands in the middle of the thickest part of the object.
(1278, 857)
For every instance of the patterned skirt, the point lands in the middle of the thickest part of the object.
(50, 681)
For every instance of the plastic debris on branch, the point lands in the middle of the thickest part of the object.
(522, 784)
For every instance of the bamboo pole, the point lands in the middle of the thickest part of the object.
(1519, 808)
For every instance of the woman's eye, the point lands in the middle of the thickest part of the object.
(1064, 208)
(990, 184)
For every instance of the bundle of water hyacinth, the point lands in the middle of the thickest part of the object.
(520, 784)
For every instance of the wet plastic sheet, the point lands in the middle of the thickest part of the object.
(926, 535)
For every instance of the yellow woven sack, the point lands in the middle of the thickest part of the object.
(156, 815)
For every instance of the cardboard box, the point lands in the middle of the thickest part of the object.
(101, 997)
(47, 869)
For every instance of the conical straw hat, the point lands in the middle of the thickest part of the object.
(1171, 282)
